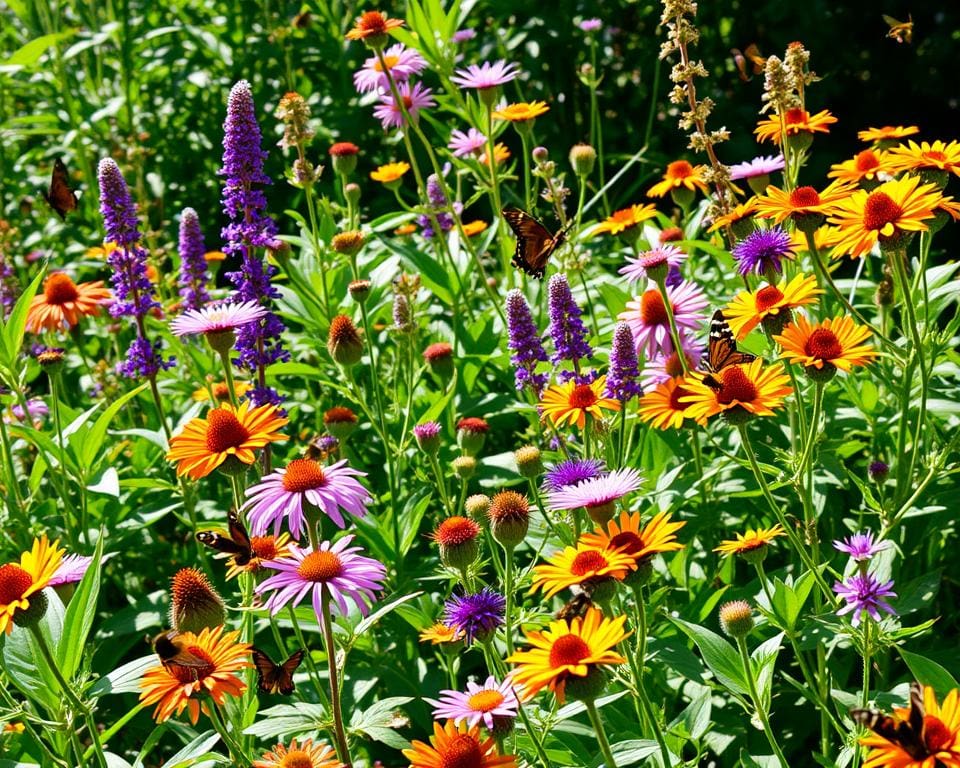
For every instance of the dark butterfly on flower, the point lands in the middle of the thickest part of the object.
(535, 243)
(901, 31)
(907, 734)
(276, 678)
(751, 54)
(171, 649)
(576, 607)
(238, 543)
(60, 196)
(721, 351)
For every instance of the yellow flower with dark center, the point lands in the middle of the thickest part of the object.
(304, 754)
(740, 211)
(624, 219)
(572, 566)
(474, 228)
(749, 308)
(753, 388)
(780, 205)
(626, 536)
(887, 133)
(754, 538)
(662, 407)
(792, 122)
(864, 166)
(453, 746)
(939, 740)
(570, 403)
(885, 215)
(837, 342)
(390, 172)
(926, 156)
(19, 581)
(679, 173)
(518, 113)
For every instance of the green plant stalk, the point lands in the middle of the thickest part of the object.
(75, 704)
(13, 483)
(865, 689)
(220, 726)
(639, 658)
(538, 500)
(698, 462)
(674, 331)
(441, 484)
(62, 458)
(525, 144)
(315, 237)
(228, 377)
(757, 702)
(764, 583)
(508, 590)
(495, 192)
(311, 666)
(601, 734)
(340, 734)
(807, 454)
(14, 708)
(596, 125)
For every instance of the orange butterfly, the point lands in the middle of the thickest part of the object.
(901, 31)
(535, 243)
(60, 197)
(276, 678)
(751, 54)
(721, 351)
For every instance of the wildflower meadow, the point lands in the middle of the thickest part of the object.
(450, 385)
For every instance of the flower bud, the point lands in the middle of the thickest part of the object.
(195, 604)
(583, 157)
(343, 155)
(340, 422)
(736, 618)
(477, 507)
(457, 538)
(427, 436)
(820, 375)
(221, 342)
(878, 472)
(51, 361)
(343, 341)
(351, 191)
(439, 357)
(529, 461)
(31, 615)
(509, 516)
(359, 290)
(682, 196)
(670, 235)
(471, 434)
(348, 243)
(540, 155)
(464, 467)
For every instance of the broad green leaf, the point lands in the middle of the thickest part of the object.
(124, 679)
(24, 663)
(929, 672)
(721, 657)
(13, 327)
(94, 438)
(79, 616)
(29, 54)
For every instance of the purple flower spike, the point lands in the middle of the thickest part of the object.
(571, 472)
(864, 593)
(566, 328)
(475, 615)
(524, 342)
(762, 250)
(624, 366)
(193, 265)
(861, 546)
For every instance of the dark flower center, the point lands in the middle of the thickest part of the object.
(823, 344)
(880, 212)
(652, 309)
(320, 566)
(736, 385)
(462, 751)
(193, 672)
(14, 581)
(224, 431)
(264, 547)
(60, 289)
(804, 197)
(675, 396)
(582, 396)
(455, 531)
(373, 23)
(628, 541)
(867, 161)
(303, 475)
(679, 169)
(569, 649)
(795, 116)
(588, 562)
(766, 297)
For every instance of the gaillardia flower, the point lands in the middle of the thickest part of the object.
(753, 539)
(303, 754)
(679, 175)
(521, 111)
(803, 204)
(864, 168)
(480, 703)
(887, 133)
(576, 565)
(743, 389)
(926, 156)
(939, 739)
(62, 303)
(35, 571)
(793, 122)
(836, 343)
(626, 536)
(453, 746)
(372, 24)
(750, 308)
(663, 406)
(625, 219)
(571, 403)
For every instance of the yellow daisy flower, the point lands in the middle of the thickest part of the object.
(749, 308)
(864, 166)
(624, 219)
(662, 407)
(627, 536)
(739, 390)
(837, 343)
(440, 633)
(739, 212)
(452, 745)
(500, 154)
(521, 112)
(780, 205)
(938, 156)
(754, 538)
(570, 403)
(577, 565)
(795, 121)
(304, 754)
(390, 172)
(474, 228)
(887, 133)
(679, 174)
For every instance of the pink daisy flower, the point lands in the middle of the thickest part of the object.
(636, 268)
(402, 63)
(486, 702)
(759, 166)
(470, 143)
(486, 75)
(596, 492)
(664, 367)
(335, 570)
(647, 316)
(71, 569)
(415, 97)
(224, 317)
(290, 492)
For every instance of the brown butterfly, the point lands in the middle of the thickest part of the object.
(238, 544)
(901, 31)
(276, 678)
(60, 197)
(171, 649)
(721, 351)
(751, 54)
(303, 19)
(907, 734)
(576, 607)
(535, 244)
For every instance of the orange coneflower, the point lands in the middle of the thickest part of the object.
(570, 403)
(749, 308)
(19, 582)
(938, 156)
(522, 111)
(205, 444)
(624, 219)
(793, 122)
(836, 343)
(803, 202)
(304, 754)
(453, 745)
(390, 172)
(887, 133)
(371, 24)
(639, 543)
(865, 166)
(221, 392)
(939, 739)
(63, 303)
(576, 565)
(679, 174)
(739, 391)
(173, 687)
(662, 406)
(263, 548)
(754, 538)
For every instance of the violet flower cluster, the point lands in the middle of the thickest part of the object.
(863, 593)
(439, 204)
(624, 369)
(193, 264)
(524, 342)
(567, 330)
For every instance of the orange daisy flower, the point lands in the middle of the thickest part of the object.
(628, 538)
(521, 112)
(263, 548)
(205, 444)
(751, 540)
(221, 392)
(500, 154)
(19, 582)
(174, 688)
(741, 391)
(864, 166)
(836, 343)
(474, 228)
(453, 745)
(794, 121)
(570, 403)
(803, 202)
(305, 754)
(662, 407)
(938, 156)
(624, 219)
(749, 308)
(63, 303)
(214, 256)
(887, 133)
(939, 737)
(738, 213)
(390, 172)
(372, 24)
(405, 229)
(679, 174)
(577, 565)
(440, 633)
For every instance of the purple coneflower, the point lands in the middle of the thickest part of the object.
(470, 143)
(462, 35)
(638, 268)
(486, 75)
(289, 493)
(647, 316)
(878, 471)
(224, 317)
(479, 703)
(335, 569)
(864, 593)
(571, 472)
(193, 266)
(595, 492)
(667, 366)
(71, 569)
(476, 615)
(759, 166)
(402, 63)
(861, 546)
(415, 97)
(590, 25)
(524, 342)
(566, 328)
(624, 367)
(762, 251)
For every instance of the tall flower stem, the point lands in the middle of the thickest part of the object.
(13, 482)
(807, 454)
(311, 665)
(758, 702)
(596, 124)
(228, 377)
(865, 689)
(62, 458)
(441, 484)
(317, 250)
(601, 734)
(220, 726)
(494, 185)
(13, 709)
(674, 331)
(508, 590)
(340, 734)
(78, 706)
(639, 657)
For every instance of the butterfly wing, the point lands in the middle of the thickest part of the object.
(60, 196)
(276, 678)
(907, 734)
(285, 683)
(535, 243)
(172, 651)
(240, 537)
(721, 350)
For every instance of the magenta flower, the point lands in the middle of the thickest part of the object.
(402, 63)
(636, 268)
(291, 492)
(486, 75)
(596, 492)
(470, 143)
(864, 593)
(759, 166)
(415, 97)
(590, 25)
(36, 410)
(667, 366)
(648, 320)
(71, 569)
(216, 319)
(335, 570)
(861, 546)
(462, 35)
(480, 702)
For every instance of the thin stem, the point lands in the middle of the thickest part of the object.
(811, 432)
(302, 643)
(674, 331)
(601, 734)
(220, 726)
(340, 735)
(757, 701)
(865, 689)
(508, 589)
(228, 377)
(78, 706)
(639, 661)
(28, 728)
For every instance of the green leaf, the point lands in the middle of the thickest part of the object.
(286, 719)
(199, 748)
(124, 679)
(13, 327)
(79, 616)
(94, 438)
(23, 661)
(929, 672)
(29, 54)
(380, 721)
(721, 657)
(378, 614)
(764, 660)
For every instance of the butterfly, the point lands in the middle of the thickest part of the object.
(60, 197)
(576, 607)
(751, 54)
(907, 734)
(901, 31)
(276, 678)
(238, 544)
(721, 351)
(171, 649)
(535, 244)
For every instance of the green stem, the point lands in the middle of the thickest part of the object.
(13, 483)
(865, 689)
(757, 702)
(220, 726)
(302, 643)
(508, 589)
(441, 484)
(639, 661)
(674, 331)
(28, 728)
(764, 584)
(75, 704)
(228, 377)
(340, 734)
(601, 734)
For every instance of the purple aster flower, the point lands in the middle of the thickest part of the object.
(477, 615)
(571, 472)
(762, 251)
(647, 316)
(480, 703)
(864, 593)
(304, 486)
(590, 25)
(8, 284)
(524, 342)
(637, 268)
(878, 471)
(566, 328)
(624, 367)
(415, 97)
(462, 35)
(470, 143)
(759, 166)
(335, 571)
(667, 366)
(216, 319)
(193, 266)
(861, 546)
(595, 492)
(71, 569)
(402, 63)
(486, 75)
(440, 206)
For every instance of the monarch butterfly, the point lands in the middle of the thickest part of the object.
(721, 351)
(172, 650)
(535, 244)
(238, 543)
(276, 678)
(907, 734)
(60, 197)
(751, 54)
(901, 31)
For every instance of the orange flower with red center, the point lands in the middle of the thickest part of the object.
(749, 308)
(662, 406)
(629, 538)
(264, 548)
(372, 24)
(456, 531)
(625, 219)
(453, 746)
(793, 122)
(739, 212)
(802, 202)
(887, 133)
(938, 156)
(836, 342)
(939, 739)
(864, 166)
(679, 174)
(304, 754)
(571, 403)
(739, 390)
(18, 582)
(63, 303)
(578, 565)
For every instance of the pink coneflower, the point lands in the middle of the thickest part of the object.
(596, 492)
(648, 320)
(759, 166)
(415, 97)
(71, 569)
(402, 63)
(462, 35)
(225, 317)
(470, 143)
(638, 268)
(486, 75)
(334, 568)
(485, 702)
(304, 483)
(665, 367)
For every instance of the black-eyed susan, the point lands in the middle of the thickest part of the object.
(888, 215)
(771, 303)
(522, 111)
(63, 302)
(571, 403)
(887, 133)
(661, 407)
(226, 433)
(803, 203)
(926, 156)
(828, 345)
(452, 745)
(939, 739)
(864, 168)
(567, 651)
(20, 582)
(752, 539)
(174, 688)
(739, 392)
(680, 174)
(793, 122)
(303, 754)
(625, 219)
(629, 537)
(576, 565)
(389, 173)
(221, 391)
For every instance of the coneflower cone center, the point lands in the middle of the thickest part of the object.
(588, 562)
(582, 396)
(60, 289)
(679, 169)
(673, 367)
(264, 547)
(652, 310)
(736, 385)
(303, 475)
(936, 734)
(462, 751)
(766, 297)
(627, 541)
(373, 22)
(320, 566)
(804, 197)
(224, 431)
(867, 160)
(795, 116)
(14, 581)
(823, 344)
(192, 674)
(675, 396)
(191, 587)
(297, 758)
(485, 701)
(880, 212)
(455, 531)
(509, 505)
(568, 650)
